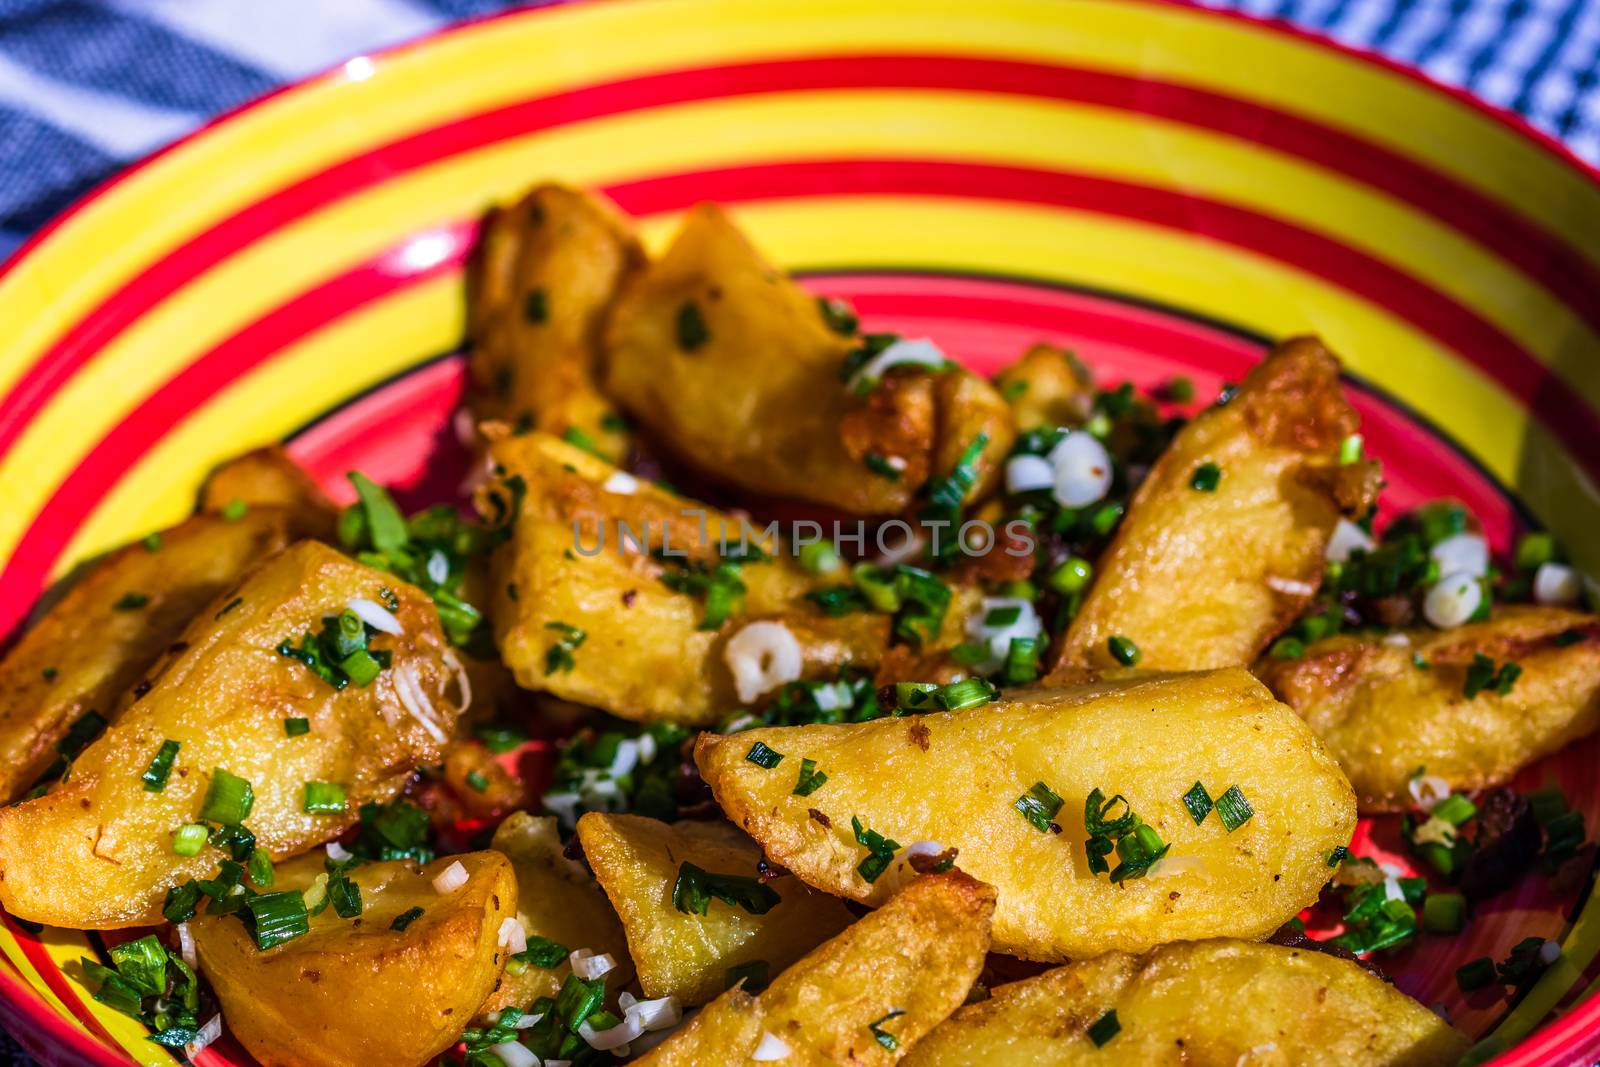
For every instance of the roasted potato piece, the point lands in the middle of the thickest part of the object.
(683, 954)
(955, 779)
(1207, 579)
(1047, 387)
(357, 992)
(734, 368)
(1382, 716)
(267, 477)
(1202, 1004)
(643, 653)
(96, 852)
(900, 971)
(556, 899)
(547, 271)
(103, 636)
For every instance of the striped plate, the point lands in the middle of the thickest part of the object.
(1165, 189)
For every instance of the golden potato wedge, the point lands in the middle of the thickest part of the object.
(547, 271)
(96, 852)
(643, 654)
(267, 477)
(955, 779)
(1207, 579)
(1382, 716)
(971, 416)
(900, 970)
(357, 992)
(558, 900)
(735, 369)
(1192, 1004)
(100, 639)
(1046, 387)
(686, 955)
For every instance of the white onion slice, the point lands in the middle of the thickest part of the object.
(450, 879)
(1082, 470)
(375, 615)
(186, 945)
(208, 1033)
(1462, 552)
(626, 759)
(515, 1054)
(1428, 790)
(1290, 586)
(613, 1037)
(647, 747)
(438, 567)
(762, 657)
(1346, 538)
(463, 680)
(622, 483)
(1556, 584)
(663, 1013)
(772, 1047)
(527, 1022)
(1452, 601)
(997, 637)
(408, 687)
(1398, 639)
(1026, 473)
(512, 934)
(1549, 952)
(337, 852)
(588, 966)
(917, 351)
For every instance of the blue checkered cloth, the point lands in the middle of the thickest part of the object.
(89, 85)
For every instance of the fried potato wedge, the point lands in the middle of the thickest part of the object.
(1382, 716)
(1218, 1002)
(900, 971)
(558, 900)
(357, 992)
(96, 852)
(547, 271)
(1198, 579)
(736, 370)
(643, 653)
(267, 477)
(93, 645)
(955, 779)
(1046, 387)
(680, 953)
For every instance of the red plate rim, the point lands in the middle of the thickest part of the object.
(22, 1003)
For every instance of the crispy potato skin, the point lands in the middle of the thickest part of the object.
(1382, 717)
(95, 853)
(97, 652)
(1200, 1004)
(353, 992)
(573, 249)
(759, 404)
(268, 478)
(556, 899)
(918, 954)
(685, 955)
(1200, 580)
(953, 778)
(645, 656)
(1045, 387)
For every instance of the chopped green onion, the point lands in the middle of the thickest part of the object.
(967, 693)
(1535, 550)
(260, 868)
(543, 952)
(1039, 805)
(142, 964)
(182, 902)
(1477, 974)
(1122, 650)
(229, 799)
(1455, 809)
(1072, 575)
(324, 798)
(345, 896)
(1444, 913)
(160, 769)
(130, 602)
(754, 975)
(883, 468)
(405, 919)
(880, 850)
(1198, 801)
(578, 1000)
(152, 542)
(819, 557)
(384, 524)
(882, 1036)
(361, 667)
(1351, 449)
(695, 888)
(296, 727)
(558, 657)
(811, 779)
(1205, 478)
(1022, 661)
(1233, 809)
(536, 306)
(498, 738)
(762, 756)
(924, 600)
(1287, 647)
(476, 781)
(189, 839)
(279, 917)
(691, 327)
(49, 674)
(915, 696)
(877, 585)
(1104, 1028)
(234, 510)
(1001, 617)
